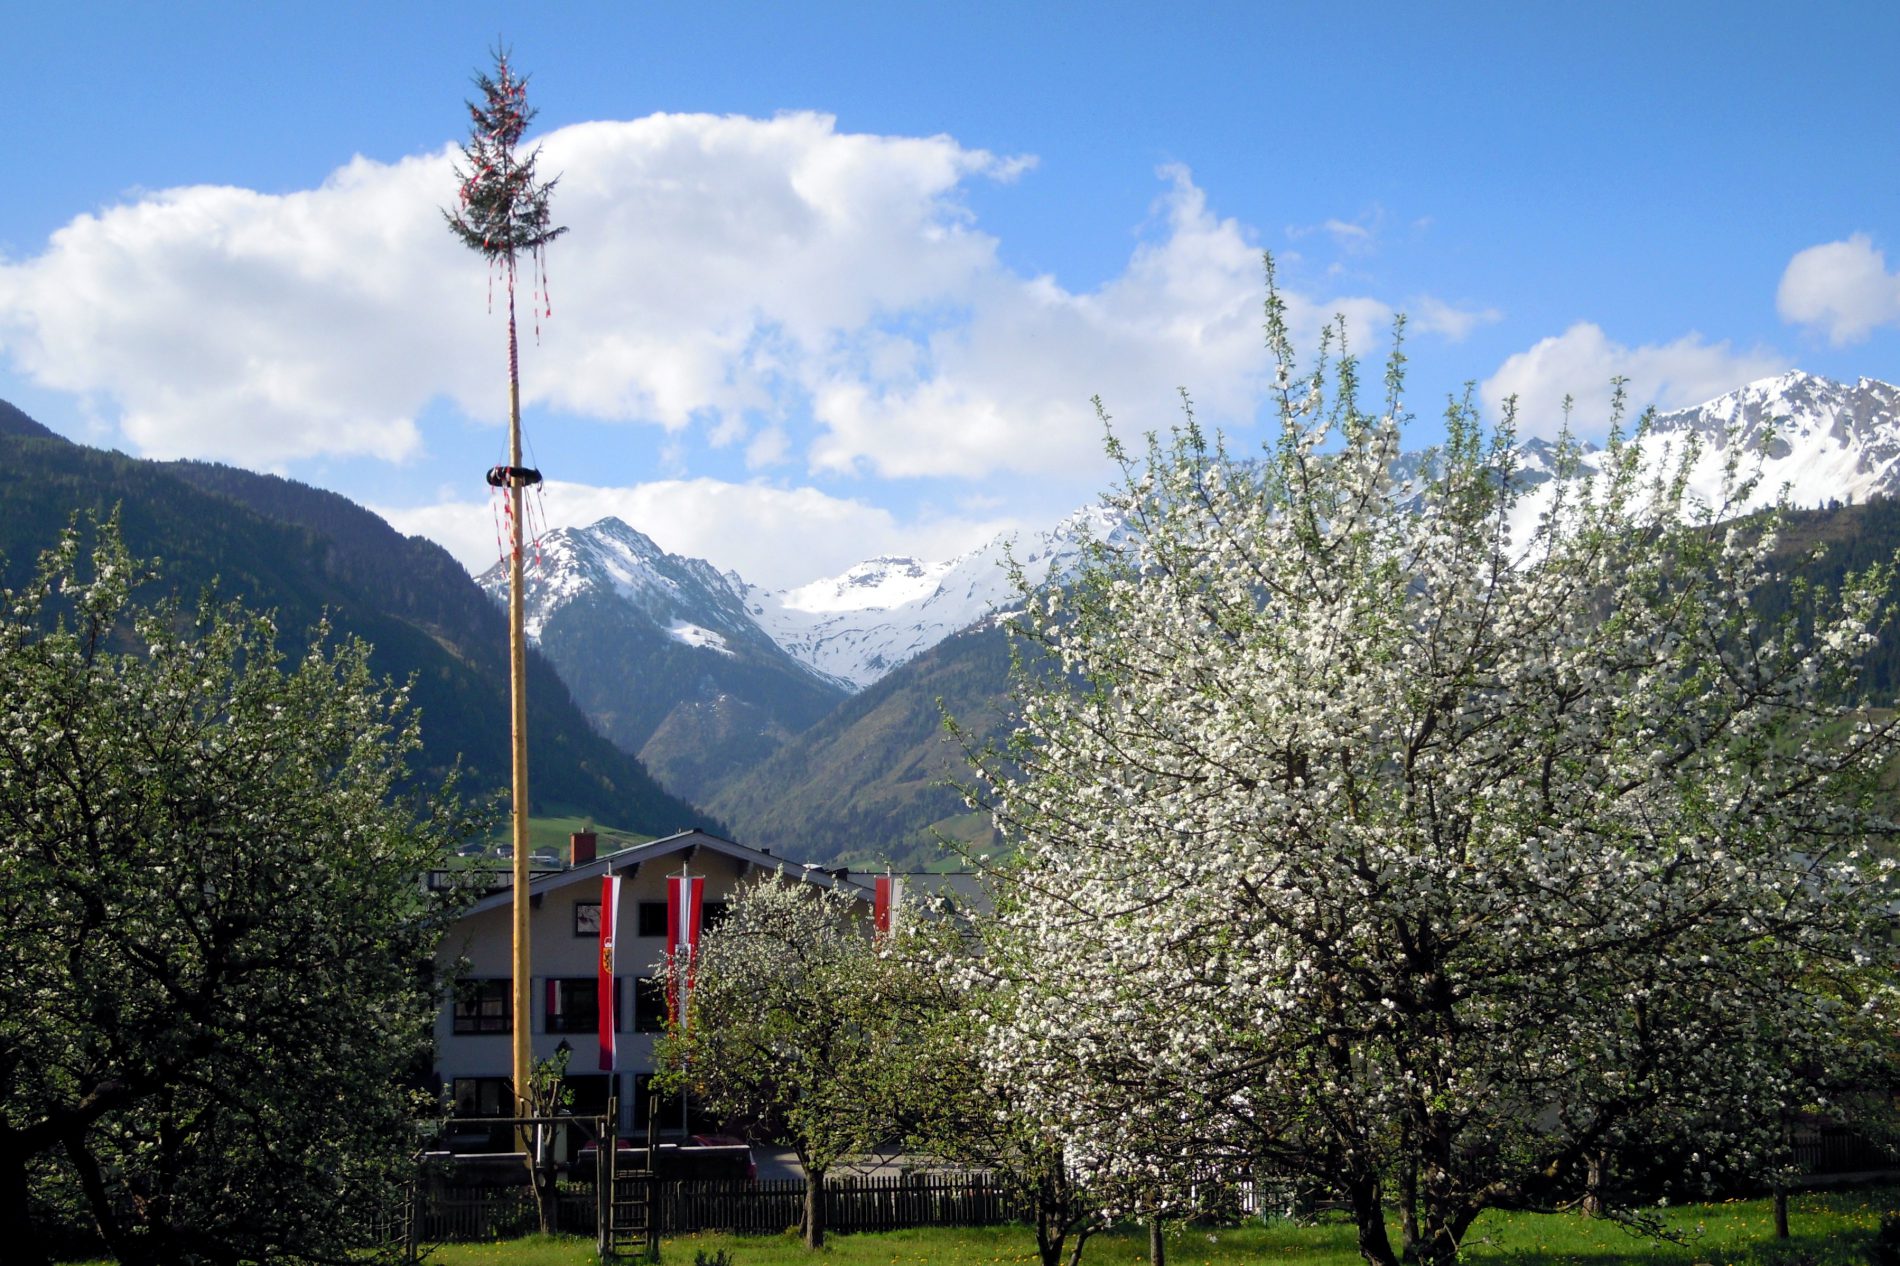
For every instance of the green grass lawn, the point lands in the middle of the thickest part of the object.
(1829, 1229)
(553, 832)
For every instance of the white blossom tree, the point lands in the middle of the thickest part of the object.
(784, 1028)
(1363, 839)
(940, 979)
(210, 881)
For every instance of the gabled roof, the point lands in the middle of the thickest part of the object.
(668, 852)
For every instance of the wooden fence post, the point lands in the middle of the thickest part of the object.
(412, 1223)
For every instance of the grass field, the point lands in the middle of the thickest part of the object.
(553, 832)
(1829, 1229)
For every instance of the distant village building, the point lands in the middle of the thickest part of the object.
(473, 1055)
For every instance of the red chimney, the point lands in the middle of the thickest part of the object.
(580, 847)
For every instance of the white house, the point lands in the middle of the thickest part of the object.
(473, 1051)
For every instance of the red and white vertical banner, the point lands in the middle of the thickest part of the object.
(683, 897)
(609, 925)
(888, 898)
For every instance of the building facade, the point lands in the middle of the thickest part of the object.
(473, 1052)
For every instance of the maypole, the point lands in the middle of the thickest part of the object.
(502, 212)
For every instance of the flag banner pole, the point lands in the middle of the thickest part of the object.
(887, 900)
(684, 899)
(604, 995)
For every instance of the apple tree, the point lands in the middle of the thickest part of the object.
(1386, 833)
(214, 985)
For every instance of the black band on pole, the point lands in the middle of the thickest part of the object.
(513, 477)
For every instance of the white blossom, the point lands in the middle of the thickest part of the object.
(1435, 864)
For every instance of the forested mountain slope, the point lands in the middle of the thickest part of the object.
(282, 546)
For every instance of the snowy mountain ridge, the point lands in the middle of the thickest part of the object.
(1809, 438)
(1819, 440)
(858, 626)
(686, 596)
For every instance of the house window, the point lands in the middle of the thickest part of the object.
(653, 916)
(481, 1097)
(664, 1112)
(589, 1093)
(488, 1097)
(587, 918)
(484, 1006)
(573, 1004)
(649, 1004)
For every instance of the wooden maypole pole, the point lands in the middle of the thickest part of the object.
(502, 212)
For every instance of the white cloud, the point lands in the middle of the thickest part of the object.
(1582, 362)
(773, 537)
(709, 260)
(226, 323)
(1842, 288)
(1368, 323)
(801, 295)
(1435, 316)
(1008, 385)
(1349, 236)
(1352, 237)
(724, 257)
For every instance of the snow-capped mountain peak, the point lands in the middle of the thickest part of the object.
(1820, 440)
(1809, 429)
(859, 625)
(874, 583)
(1811, 439)
(609, 556)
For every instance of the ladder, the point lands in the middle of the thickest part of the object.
(628, 1209)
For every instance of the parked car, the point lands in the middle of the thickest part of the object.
(583, 1164)
(701, 1156)
(731, 1157)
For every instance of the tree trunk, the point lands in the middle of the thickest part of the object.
(104, 1213)
(1157, 1247)
(1368, 1211)
(16, 1224)
(1446, 1222)
(542, 1172)
(1048, 1238)
(1593, 1185)
(814, 1208)
(1408, 1205)
(1781, 1179)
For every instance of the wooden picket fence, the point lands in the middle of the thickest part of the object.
(445, 1212)
(455, 1212)
(1826, 1149)
(449, 1214)
(852, 1203)
(966, 1198)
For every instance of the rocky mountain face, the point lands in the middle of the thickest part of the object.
(807, 717)
(1814, 441)
(1820, 440)
(661, 652)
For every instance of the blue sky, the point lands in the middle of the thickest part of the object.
(841, 278)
